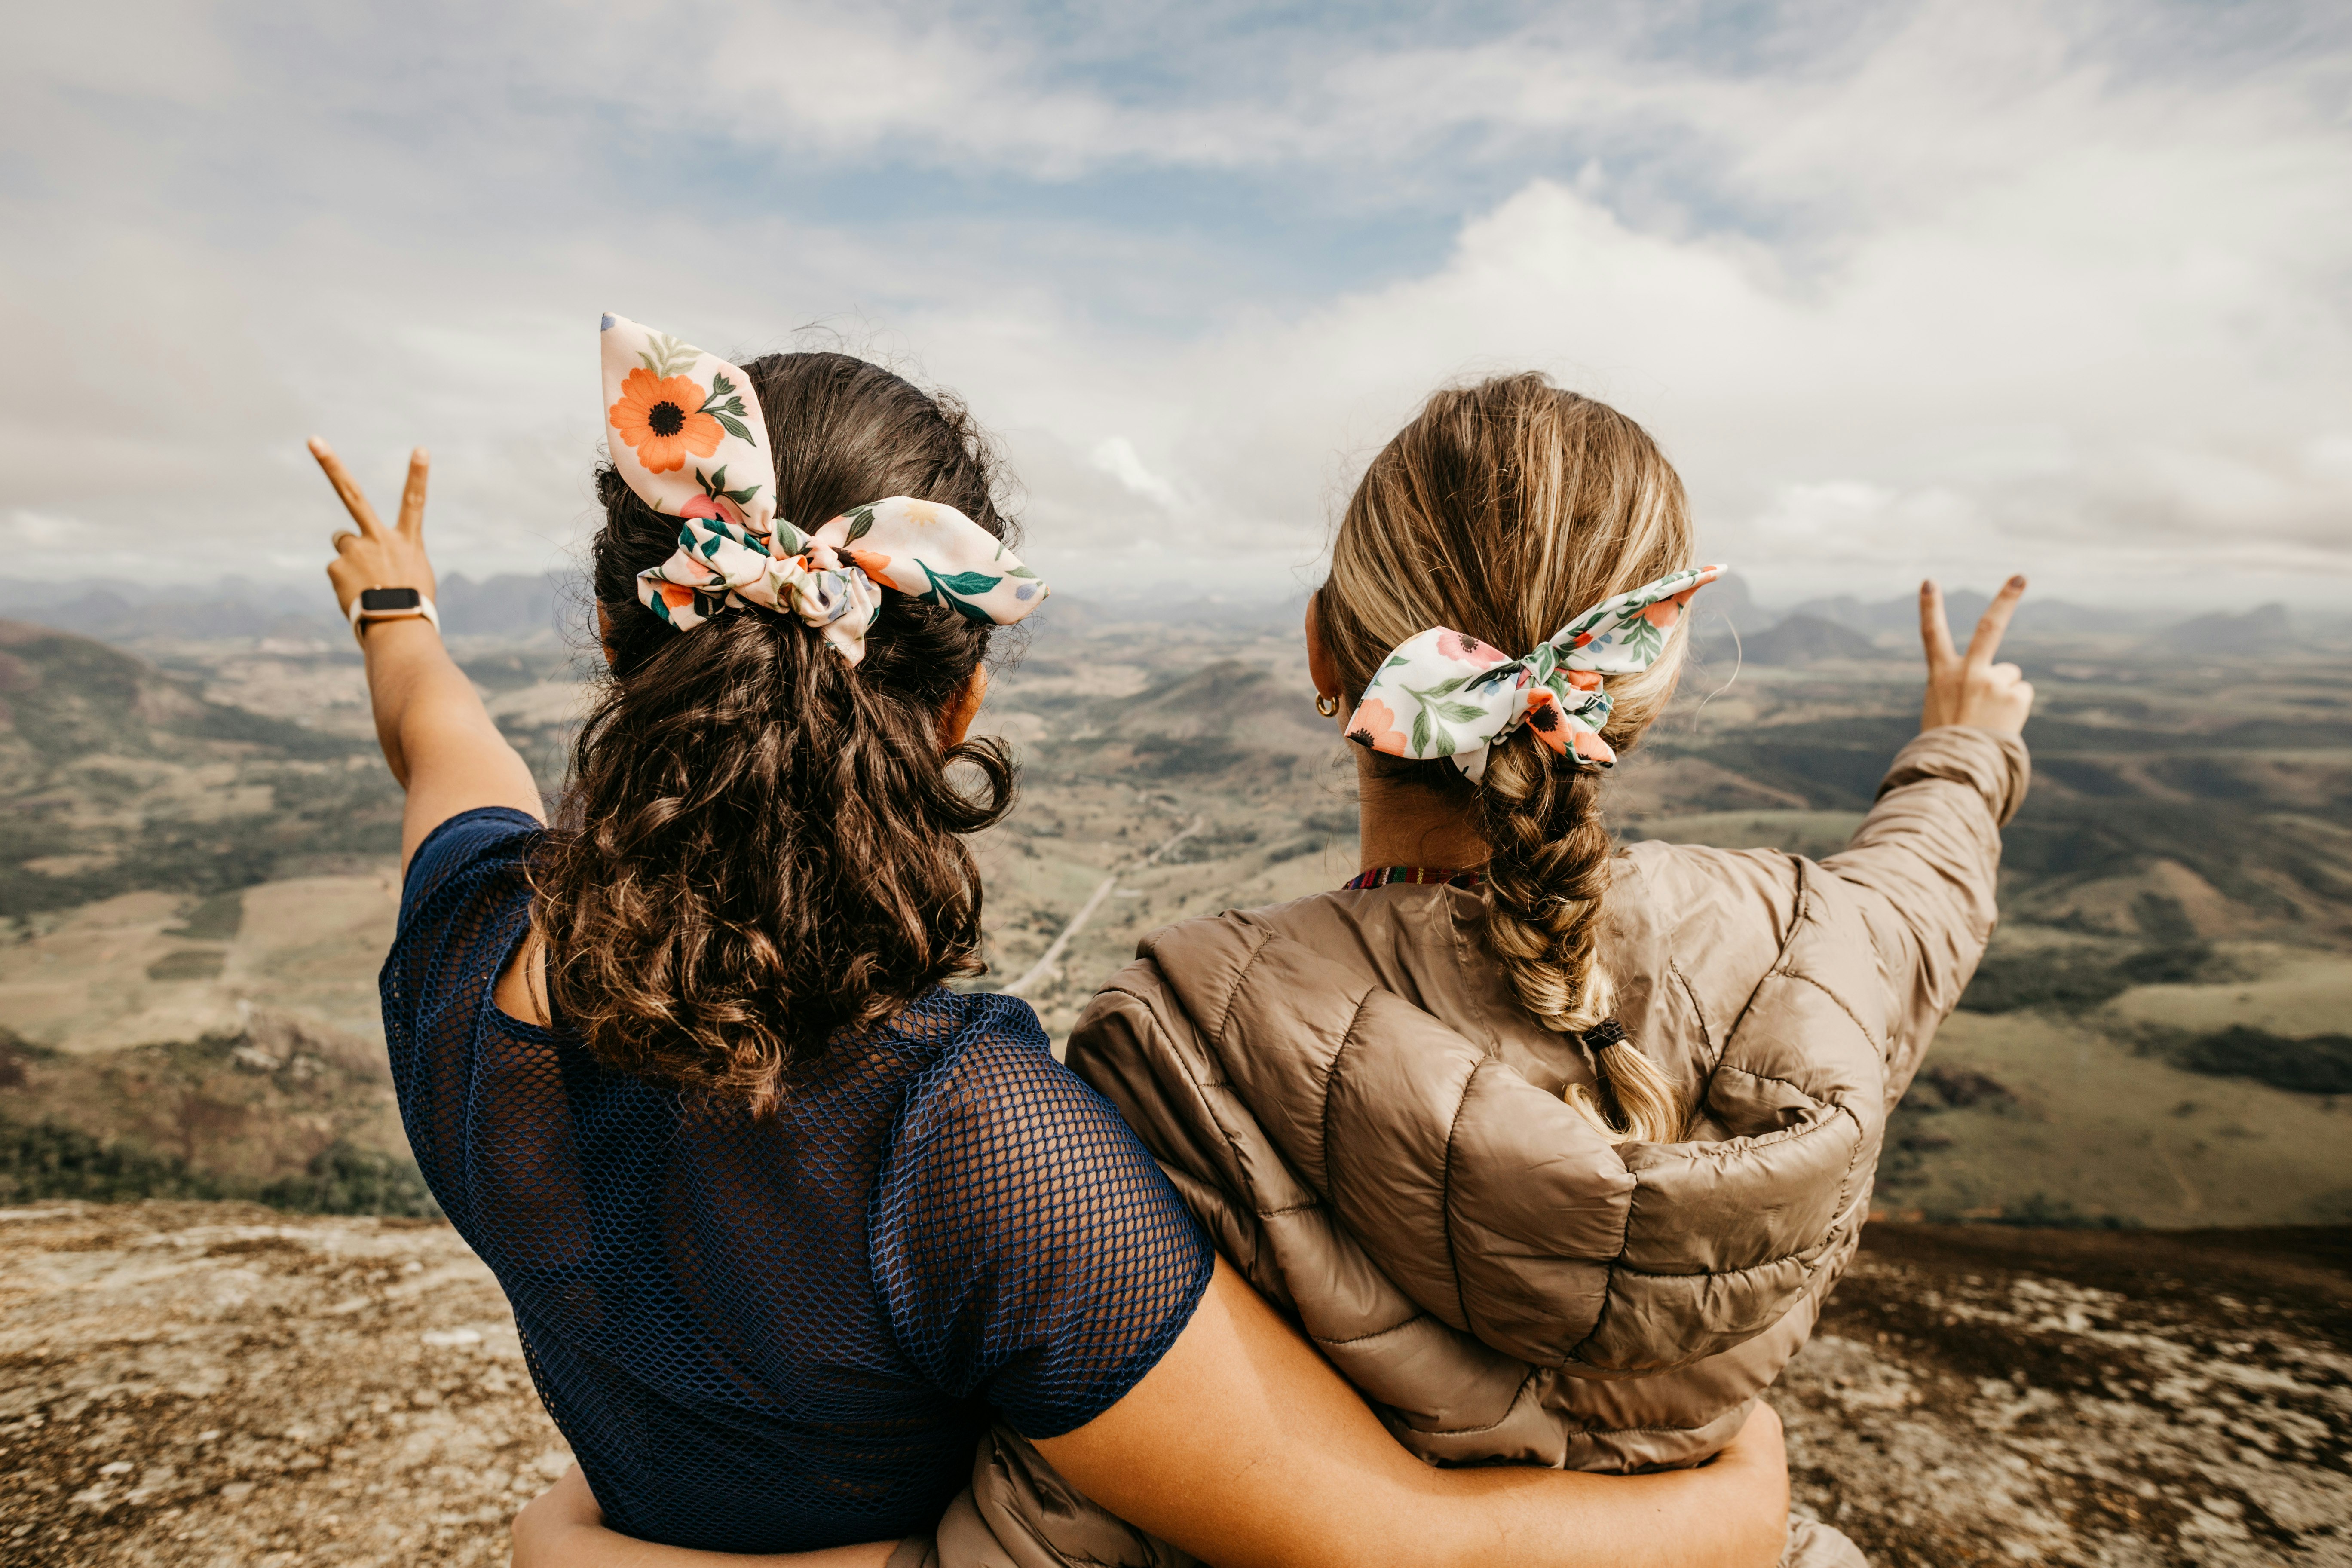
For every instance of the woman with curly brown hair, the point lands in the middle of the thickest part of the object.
(787, 1225)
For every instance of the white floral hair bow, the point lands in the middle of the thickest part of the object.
(686, 432)
(1442, 694)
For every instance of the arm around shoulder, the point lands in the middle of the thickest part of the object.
(1245, 1447)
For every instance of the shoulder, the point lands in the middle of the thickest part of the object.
(1024, 1242)
(490, 843)
(1005, 1159)
(1691, 896)
(1688, 935)
(1348, 919)
(1396, 937)
(992, 1086)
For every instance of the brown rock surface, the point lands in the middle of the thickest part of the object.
(216, 1384)
(1983, 1394)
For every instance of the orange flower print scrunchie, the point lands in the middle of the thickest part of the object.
(1442, 694)
(685, 431)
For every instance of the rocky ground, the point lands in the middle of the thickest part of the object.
(213, 1383)
(1983, 1394)
(216, 1384)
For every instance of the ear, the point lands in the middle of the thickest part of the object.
(955, 723)
(604, 631)
(1321, 668)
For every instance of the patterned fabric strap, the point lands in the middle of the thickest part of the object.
(686, 432)
(1441, 694)
(1416, 876)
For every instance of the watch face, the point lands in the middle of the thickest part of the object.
(390, 599)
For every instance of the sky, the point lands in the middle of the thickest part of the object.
(1953, 289)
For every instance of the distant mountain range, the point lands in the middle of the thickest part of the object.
(1964, 606)
(1849, 627)
(526, 608)
(514, 605)
(1803, 638)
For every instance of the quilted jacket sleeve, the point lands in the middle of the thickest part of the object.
(1922, 872)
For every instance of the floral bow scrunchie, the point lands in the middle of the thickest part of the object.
(1442, 694)
(686, 432)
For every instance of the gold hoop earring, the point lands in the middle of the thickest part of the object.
(1326, 706)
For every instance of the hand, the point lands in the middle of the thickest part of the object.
(437, 737)
(1972, 689)
(377, 556)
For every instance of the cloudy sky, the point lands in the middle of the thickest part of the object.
(1947, 287)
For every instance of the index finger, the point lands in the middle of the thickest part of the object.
(1935, 631)
(412, 495)
(1990, 630)
(346, 487)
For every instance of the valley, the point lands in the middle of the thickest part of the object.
(198, 866)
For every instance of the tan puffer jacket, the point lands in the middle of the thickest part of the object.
(1347, 1093)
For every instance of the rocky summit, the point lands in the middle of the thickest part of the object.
(218, 1386)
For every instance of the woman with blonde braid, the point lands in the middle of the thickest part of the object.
(1554, 1150)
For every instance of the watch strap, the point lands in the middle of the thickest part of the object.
(361, 616)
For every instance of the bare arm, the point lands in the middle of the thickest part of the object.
(1243, 1447)
(564, 1528)
(1246, 1448)
(438, 738)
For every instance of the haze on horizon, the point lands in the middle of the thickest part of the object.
(1935, 287)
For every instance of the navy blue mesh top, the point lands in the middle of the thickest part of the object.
(784, 1335)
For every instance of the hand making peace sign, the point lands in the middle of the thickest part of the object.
(377, 556)
(436, 736)
(1970, 689)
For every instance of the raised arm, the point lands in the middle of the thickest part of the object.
(438, 739)
(1925, 861)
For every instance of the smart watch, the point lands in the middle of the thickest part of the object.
(390, 605)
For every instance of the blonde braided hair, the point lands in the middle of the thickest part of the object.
(1501, 511)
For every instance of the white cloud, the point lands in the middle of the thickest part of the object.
(2104, 338)
(1117, 455)
(1949, 288)
(40, 530)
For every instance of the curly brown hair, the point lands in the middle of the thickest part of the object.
(761, 844)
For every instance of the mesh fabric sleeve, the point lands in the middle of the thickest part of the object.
(1026, 1245)
(488, 839)
(463, 905)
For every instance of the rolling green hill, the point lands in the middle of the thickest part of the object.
(115, 776)
(2155, 1038)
